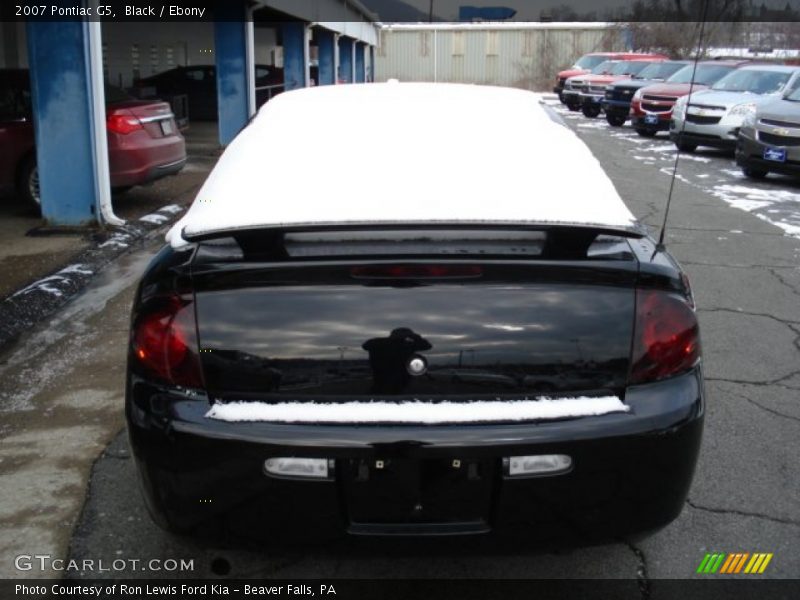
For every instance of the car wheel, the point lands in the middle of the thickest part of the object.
(754, 172)
(590, 110)
(646, 132)
(684, 146)
(615, 120)
(561, 97)
(28, 184)
(574, 107)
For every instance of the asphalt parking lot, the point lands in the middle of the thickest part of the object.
(731, 236)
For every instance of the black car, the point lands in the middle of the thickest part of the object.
(199, 84)
(370, 361)
(617, 101)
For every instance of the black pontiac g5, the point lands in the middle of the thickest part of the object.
(450, 351)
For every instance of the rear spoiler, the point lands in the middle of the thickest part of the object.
(562, 241)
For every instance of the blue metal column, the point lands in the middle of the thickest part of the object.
(371, 64)
(346, 59)
(58, 54)
(361, 74)
(326, 54)
(233, 43)
(294, 54)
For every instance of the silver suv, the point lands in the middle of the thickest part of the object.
(714, 116)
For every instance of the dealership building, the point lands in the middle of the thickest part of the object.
(70, 60)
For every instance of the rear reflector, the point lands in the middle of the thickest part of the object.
(301, 468)
(538, 464)
(416, 271)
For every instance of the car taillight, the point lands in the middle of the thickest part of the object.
(165, 342)
(123, 123)
(666, 336)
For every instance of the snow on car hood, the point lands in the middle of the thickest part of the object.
(398, 153)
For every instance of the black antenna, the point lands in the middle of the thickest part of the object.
(700, 41)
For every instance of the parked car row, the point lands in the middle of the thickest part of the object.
(749, 108)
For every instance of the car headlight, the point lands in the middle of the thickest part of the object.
(742, 110)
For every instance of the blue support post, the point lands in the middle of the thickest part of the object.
(64, 121)
(326, 54)
(294, 55)
(233, 49)
(371, 78)
(361, 74)
(346, 59)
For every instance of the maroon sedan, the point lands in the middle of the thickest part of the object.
(144, 143)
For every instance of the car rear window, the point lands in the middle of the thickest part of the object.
(496, 243)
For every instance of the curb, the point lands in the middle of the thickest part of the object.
(31, 304)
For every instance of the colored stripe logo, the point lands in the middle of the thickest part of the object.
(735, 563)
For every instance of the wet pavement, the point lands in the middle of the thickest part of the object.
(62, 409)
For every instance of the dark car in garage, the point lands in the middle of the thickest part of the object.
(769, 140)
(144, 143)
(199, 84)
(414, 355)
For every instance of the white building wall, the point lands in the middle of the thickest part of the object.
(526, 55)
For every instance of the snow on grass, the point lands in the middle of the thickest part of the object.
(481, 411)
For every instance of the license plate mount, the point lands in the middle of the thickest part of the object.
(166, 127)
(651, 119)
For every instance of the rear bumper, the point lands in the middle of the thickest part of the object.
(135, 162)
(631, 472)
(750, 153)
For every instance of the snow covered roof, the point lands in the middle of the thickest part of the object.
(388, 153)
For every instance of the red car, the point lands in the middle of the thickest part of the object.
(589, 61)
(144, 142)
(651, 106)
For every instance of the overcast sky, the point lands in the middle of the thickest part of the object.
(529, 10)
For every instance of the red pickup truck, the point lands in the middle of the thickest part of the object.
(588, 61)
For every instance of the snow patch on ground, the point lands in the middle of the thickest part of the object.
(759, 201)
(481, 411)
(154, 218)
(50, 283)
(678, 176)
